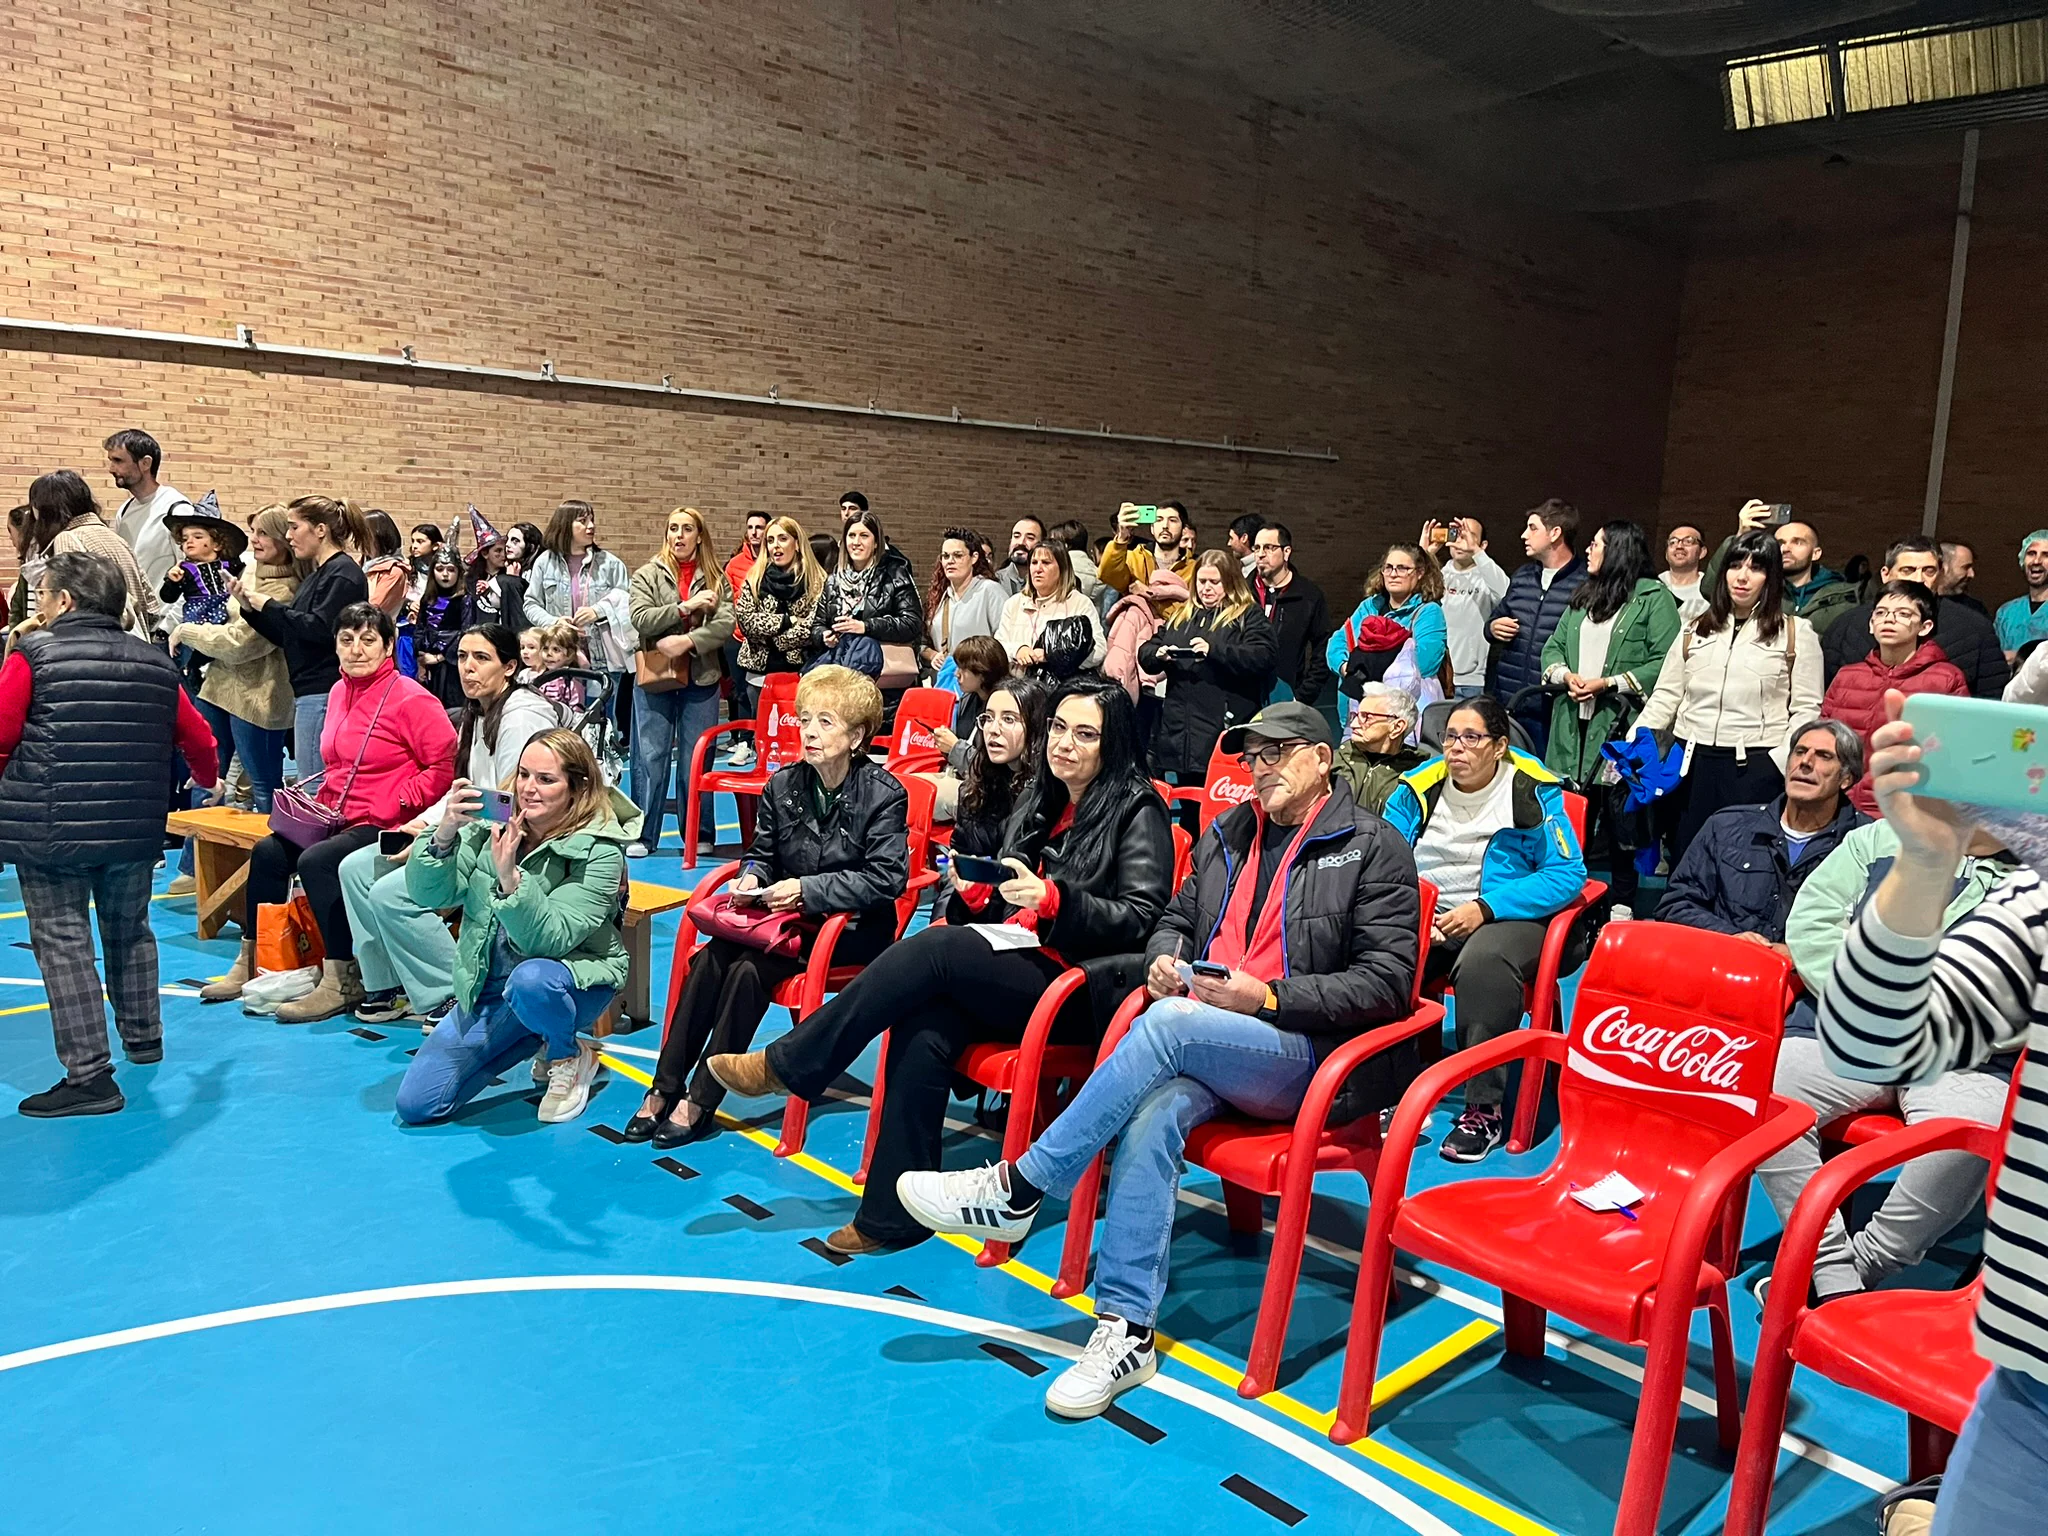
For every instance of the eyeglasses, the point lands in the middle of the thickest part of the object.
(1366, 714)
(1271, 755)
(1681, 538)
(1397, 570)
(1084, 735)
(1898, 615)
(1467, 739)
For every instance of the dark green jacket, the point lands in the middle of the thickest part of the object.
(1643, 631)
(1373, 775)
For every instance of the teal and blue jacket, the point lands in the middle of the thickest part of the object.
(1531, 870)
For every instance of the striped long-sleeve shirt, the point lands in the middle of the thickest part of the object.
(1906, 1010)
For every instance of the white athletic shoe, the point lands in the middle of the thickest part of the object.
(742, 758)
(569, 1085)
(636, 850)
(969, 1201)
(1111, 1365)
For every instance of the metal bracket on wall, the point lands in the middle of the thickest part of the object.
(244, 345)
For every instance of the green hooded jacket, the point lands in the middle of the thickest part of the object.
(571, 892)
(1372, 776)
(1643, 631)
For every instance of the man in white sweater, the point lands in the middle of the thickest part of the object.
(1905, 1004)
(1473, 585)
(134, 460)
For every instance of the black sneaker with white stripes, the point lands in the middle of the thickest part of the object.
(1118, 1358)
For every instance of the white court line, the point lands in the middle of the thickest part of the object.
(1309, 1453)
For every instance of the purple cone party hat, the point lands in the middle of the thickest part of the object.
(481, 530)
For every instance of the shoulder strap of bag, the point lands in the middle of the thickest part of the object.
(356, 767)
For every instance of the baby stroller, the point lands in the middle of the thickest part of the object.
(593, 719)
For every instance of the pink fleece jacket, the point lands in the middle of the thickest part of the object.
(410, 760)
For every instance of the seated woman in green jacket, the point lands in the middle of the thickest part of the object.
(540, 952)
(1605, 654)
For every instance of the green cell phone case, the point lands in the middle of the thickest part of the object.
(1981, 751)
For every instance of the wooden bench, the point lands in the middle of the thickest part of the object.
(222, 838)
(633, 1009)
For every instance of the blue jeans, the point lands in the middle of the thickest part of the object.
(469, 1047)
(1180, 1064)
(309, 718)
(262, 755)
(1998, 1474)
(665, 731)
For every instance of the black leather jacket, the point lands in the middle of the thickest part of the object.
(892, 609)
(856, 860)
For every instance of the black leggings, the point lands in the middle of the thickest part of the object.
(937, 993)
(729, 990)
(1716, 781)
(272, 863)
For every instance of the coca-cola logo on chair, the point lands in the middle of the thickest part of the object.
(1230, 789)
(1674, 1054)
(917, 737)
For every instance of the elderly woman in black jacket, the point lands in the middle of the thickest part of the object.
(1091, 867)
(1217, 653)
(832, 835)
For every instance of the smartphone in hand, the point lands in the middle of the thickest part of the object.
(980, 871)
(497, 806)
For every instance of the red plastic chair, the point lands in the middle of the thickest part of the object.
(1667, 1080)
(777, 744)
(1183, 853)
(805, 993)
(1544, 995)
(1227, 783)
(1911, 1349)
(1258, 1158)
(912, 746)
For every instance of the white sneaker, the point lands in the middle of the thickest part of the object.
(569, 1085)
(1110, 1366)
(1620, 914)
(636, 850)
(742, 758)
(971, 1202)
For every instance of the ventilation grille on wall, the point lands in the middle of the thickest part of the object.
(1886, 72)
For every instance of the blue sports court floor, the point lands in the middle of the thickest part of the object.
(252, 1303)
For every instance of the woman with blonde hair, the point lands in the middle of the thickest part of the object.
(320, 532)
(682, 613)
(248, 679)
(1218, 656)
(1406, 591)
(540, 952)
(777, 603)
(1051, 626)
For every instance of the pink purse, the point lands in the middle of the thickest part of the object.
(773, 933)
(300, 818)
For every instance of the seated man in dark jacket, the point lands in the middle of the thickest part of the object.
(1742, 871)
(1309, 908)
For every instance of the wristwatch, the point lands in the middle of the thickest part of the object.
(1269, 1010)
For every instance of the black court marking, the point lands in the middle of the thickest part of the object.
(366, 1034)
(607, 1133)
(817, 1246)
(190, 981)
(1259, 1499)
(685, 1171)
(1016, 1359)
(1131, 1424)
(748, 1208)
(19, 945)
(414, 1051)
(903, 1291)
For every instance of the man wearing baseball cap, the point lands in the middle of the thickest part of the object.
(1295, 931)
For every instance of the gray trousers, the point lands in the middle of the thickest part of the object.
(60, 932)
(1931, 1193)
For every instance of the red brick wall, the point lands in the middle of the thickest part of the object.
(925, 204)
(1810, 349)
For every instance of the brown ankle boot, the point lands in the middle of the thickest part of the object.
(749, 1076)
(340, 989)
(229, 987)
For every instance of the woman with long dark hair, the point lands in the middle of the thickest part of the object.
(62, 518)
(1731, 687)
(523, 544)
(1605, 654)
(1091, 865)
(1001, 756)
(869, 594)
(963, 599)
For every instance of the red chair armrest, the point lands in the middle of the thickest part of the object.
(702, 891)
(923, 880)
(820, 964)
(1840, 1177)
(1340, 1063)
(1423, 1095)
(1559, 929)
(1708, 1197)
(1031, 1051)
(1126, 1015)
(1191, 794)
(702, 749)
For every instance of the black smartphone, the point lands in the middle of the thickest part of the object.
(1781, 513)
(980, 871)
(392, 844)
(1211, 969)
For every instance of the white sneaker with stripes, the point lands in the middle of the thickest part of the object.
(1110, 1366)
(972, 1202)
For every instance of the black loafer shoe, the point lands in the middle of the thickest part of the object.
(98, 1097)
(668, 1135)
(640, 1128)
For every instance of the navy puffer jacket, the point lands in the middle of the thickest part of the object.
(1519, 663)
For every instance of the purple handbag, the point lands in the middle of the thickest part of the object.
(301, 819)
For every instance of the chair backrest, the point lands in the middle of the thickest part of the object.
(1183, 853)
(1575, 813)
(1429, 728)
(1229, 783)
(778, 740)
(1429, 900)
(1680, 1022)
(921, 711)
(923, 800)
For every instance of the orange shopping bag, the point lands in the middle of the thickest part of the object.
(287, 938)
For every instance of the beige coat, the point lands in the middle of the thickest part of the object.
(657, 613)
(248, 677)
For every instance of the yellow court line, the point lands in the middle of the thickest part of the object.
(1399, 1380)
(6, 1013)
(160, 896)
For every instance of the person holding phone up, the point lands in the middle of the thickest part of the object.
(1296, 930)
